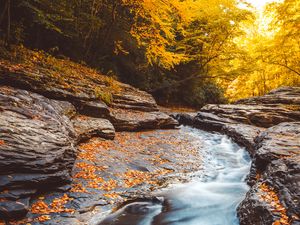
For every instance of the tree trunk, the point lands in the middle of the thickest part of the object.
(8, 21)
(3, 12)
(113, 20)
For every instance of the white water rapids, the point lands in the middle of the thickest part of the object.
(211, 198)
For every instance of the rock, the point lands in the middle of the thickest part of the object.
(36, 142)
(88, 127)
(134, 212)
(282, 105)
(17, 194)
(184, 118)
(81, 91)
(132, 120)
(66, 108)
(14, 209)
(268, 126)
(243, 122)
(92, 108)
(242, 134)
(132, 98)
(40, 81)
(256, 115)
(283, 95)
(161, 155)
(277, 166)
(85, 93)
(255, 211)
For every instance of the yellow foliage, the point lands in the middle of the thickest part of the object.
(158, 22)
(272, 52)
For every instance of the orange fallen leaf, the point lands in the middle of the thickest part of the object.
(111, 195)
(277, 222)
(43, 218)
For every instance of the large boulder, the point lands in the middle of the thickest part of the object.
(36, 146)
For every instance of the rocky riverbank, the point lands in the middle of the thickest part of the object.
(44, 118)
(64, 156)
(269, 128)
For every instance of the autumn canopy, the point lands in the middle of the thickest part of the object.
(188, 52)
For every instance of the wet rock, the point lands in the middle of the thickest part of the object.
(184, 118)
(125, 160)
(14, 209)
(130, 120)
(64, 221)
(88, 127)
(255, 211)
(242, 134)
(268, 127)
(135, 212)
(36, 142)
(276, 164)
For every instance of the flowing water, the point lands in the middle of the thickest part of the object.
(210, 198)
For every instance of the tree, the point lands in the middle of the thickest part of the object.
(164, 46)
(272, 52)
(6, 11)
(285, 47)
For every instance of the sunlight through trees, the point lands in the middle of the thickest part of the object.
(182, 51)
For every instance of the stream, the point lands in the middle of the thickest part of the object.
(210, 198)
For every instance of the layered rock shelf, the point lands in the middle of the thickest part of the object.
(43, 119)
(269, 128)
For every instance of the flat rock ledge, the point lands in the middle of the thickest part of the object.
(133, 120)
(269, 128)
(42, 122)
